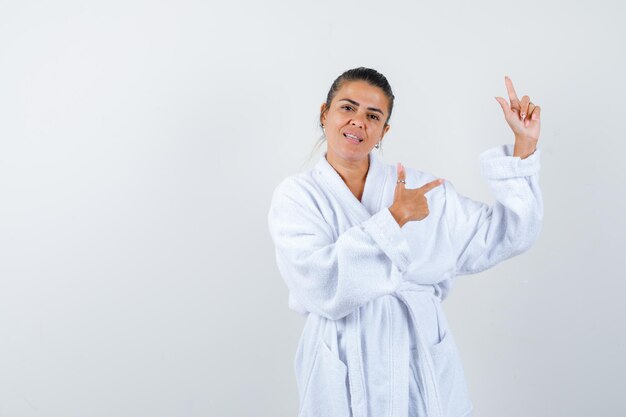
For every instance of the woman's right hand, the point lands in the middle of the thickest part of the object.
(410, 203)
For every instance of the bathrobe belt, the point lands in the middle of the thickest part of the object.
(426, 377)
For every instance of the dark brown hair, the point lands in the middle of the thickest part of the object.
(370, 76)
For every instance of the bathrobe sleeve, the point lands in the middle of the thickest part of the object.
(332, 276)
(483, 235)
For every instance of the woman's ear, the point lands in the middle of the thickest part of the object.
(385, 130)
(323, 114)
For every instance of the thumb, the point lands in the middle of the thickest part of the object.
(401, 176)
(401, 173)
(505, 106)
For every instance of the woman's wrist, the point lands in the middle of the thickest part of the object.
(396, 215)
(524, 147)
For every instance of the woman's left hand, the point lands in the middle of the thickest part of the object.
(524, 119)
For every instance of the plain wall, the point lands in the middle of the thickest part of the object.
(140, 143)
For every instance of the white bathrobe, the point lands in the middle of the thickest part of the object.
(376, 342)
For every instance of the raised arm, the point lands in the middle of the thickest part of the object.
(484, 235)
(333, 275)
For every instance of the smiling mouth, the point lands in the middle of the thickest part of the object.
(352, 138)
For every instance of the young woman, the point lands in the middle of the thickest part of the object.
(369, 251)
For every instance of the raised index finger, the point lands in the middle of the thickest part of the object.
(430, 185)
(510, 89)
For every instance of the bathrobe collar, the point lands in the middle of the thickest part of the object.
(372, 193)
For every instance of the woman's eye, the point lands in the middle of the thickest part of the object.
(373, 116)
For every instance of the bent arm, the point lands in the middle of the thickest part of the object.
(484, 235)
(332, 277)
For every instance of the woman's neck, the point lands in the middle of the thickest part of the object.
(352, 173)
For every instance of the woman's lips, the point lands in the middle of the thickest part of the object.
(352, 139)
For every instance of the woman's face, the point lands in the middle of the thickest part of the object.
(355, 121)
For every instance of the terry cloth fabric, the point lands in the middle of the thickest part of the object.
(376, 341)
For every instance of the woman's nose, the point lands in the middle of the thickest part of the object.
(357, 121)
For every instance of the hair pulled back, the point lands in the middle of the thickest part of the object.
(370, 76)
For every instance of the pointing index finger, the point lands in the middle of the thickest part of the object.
(430, 185)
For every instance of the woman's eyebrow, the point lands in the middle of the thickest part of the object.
(357, 104)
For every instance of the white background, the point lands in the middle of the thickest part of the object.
(139, 146)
